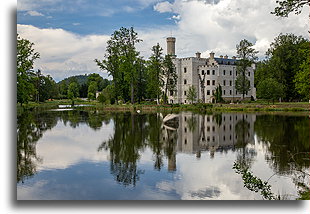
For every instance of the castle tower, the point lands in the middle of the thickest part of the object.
(171, 46)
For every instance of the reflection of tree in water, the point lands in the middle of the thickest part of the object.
(30, 128)
(155, 139)
(129, 137)
(287, 140)
(245, 155)
(192, 123)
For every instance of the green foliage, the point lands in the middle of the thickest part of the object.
(269, 89)
(242, 84)
(217, 94)
(101, 98)
(73, 91)
(254, 183)
(120, 62)
(170, 76)
(287, 6)
(26, 56)
(301, 78)
(192, 94)
(286, 54)
(92, 89)
(154, 72)
(247, 56)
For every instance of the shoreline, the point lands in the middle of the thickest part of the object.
(199, 107)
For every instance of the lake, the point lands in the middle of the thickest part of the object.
(90, 155)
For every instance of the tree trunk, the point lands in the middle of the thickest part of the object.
(132, 93)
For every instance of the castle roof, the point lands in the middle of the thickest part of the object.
(223, 61)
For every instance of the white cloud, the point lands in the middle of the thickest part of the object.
(63, 53)
(219, 25)
(163, 7)
(201, 26)
(34, 13)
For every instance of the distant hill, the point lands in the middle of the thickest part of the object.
(81, 79)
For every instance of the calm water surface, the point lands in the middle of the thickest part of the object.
(88, 155)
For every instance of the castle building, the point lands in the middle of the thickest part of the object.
(206, 74)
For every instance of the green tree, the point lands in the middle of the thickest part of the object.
(287, 6)
(155, 65)
(301, 78)
(96, 78)
(92, 89)
(269, 89)
(192, 94)
(217, 94)
(120, 62)
(26, 56)
(170, 76)
(101, 98)
(73, 91)
(141, 92)
(285, 56)
(247, 56)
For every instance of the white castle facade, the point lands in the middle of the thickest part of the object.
(205, 74)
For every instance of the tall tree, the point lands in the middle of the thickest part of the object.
(73, 91)
(269, 89)
(288, 6)
(170, 76)
(120, 62)
(155, 73)
(92, 89)
(26, 56)
(301, 79)
(246, 57)
(285, 56)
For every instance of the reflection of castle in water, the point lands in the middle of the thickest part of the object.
(193, 133)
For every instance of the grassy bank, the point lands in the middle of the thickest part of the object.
(200, 107)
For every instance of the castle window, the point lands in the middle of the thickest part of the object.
(229, 92)
(224, 72)
(213, 82)
(224, 82)
(184, 93)
(184, 69)
(208, 128)
(248, 73)
(213, 139)
(208, 82)
(208, 139)
(185, 82)
(185, 141)
(213, 72)
(202, 72)
(185, 129)
(208, 72)
(184, 101)
(171, 93)
(208, 92)
(224, 92)
(230, 83)
(230, 73)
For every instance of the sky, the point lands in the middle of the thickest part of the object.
(70, 34)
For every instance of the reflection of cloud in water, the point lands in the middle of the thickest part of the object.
(72, 145)
(209, 192)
